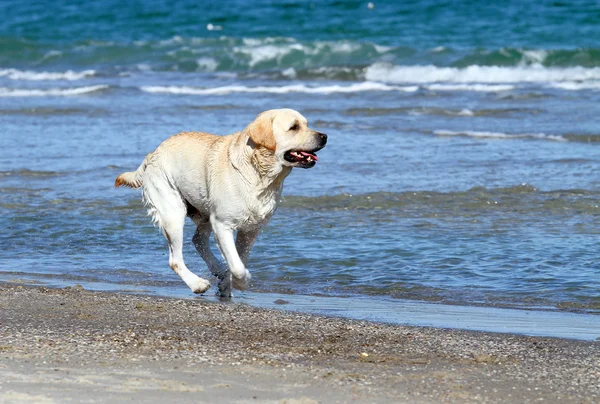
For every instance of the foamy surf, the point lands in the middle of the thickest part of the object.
(70, 75)
(54, 92)
(273, 50)
(576, 86)
(386, 73)
(296, 88)
(499, 135)
(470, 87)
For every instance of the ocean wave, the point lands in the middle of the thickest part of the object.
(338, 73)
(46, 111)
(582, 137)
(272, 53)
(387, 73)
(24, 172)
(519, 198)
(53, 92)
(207, 54)
(499, 135)
(287, 58)
(420, 111)
(69, 75)
(470, 87)
(297, 88)
(576, 86)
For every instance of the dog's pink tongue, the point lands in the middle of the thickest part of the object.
(314, 156)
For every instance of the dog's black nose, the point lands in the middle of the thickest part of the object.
(323, 138)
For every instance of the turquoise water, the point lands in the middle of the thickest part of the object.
(462, 163)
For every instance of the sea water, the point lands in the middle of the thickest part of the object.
(462, 168)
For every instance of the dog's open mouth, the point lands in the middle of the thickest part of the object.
(301, 158)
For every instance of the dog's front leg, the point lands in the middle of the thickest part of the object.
(237, 269)
(243, 243)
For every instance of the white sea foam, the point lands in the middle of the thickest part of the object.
(143, 67)
(296, 88)
(382, 48)
(499, 135)
(470, 87)
(266, 49)
(329, 70)
(438, 49)
(207, 64)
(290, 73)
(466, 112)
(71, 75)
(536, 73)
(175, 40)
(533, 56)
(261, 41)
(575, 86)
(274, 49)
(265, 53)
(213, 27)
(19, 92)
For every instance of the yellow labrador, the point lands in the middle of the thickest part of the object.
(224, 184)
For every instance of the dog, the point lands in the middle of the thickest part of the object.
(229, 185)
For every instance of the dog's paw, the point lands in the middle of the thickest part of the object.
(242, 283)
(225, 286)
(200, 286)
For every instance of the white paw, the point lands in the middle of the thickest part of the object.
(200, 285)
(242, 283)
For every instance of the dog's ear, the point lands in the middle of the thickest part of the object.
(261, 131)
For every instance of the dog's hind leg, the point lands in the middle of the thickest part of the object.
(168, 211)
(201, 241)
(244, 242)
(172, 227)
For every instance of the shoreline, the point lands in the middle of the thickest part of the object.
(70, 343)
(507, 320)
(530, 321)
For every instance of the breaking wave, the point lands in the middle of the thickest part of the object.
(343, 59)
(297, 88)
(470, 87)
(576, 86)
(55, 92)
(519, 198)
(70, 75)
(388, 73)
(499, 135)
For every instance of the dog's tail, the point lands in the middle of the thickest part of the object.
(132, 179)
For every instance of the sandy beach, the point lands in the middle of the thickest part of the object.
(73, 345)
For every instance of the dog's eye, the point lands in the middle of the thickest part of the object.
(294, 127)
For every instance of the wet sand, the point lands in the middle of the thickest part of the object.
(73, 345)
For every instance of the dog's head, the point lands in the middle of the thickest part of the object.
(285, 132)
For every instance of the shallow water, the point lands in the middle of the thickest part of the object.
(462, 165)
